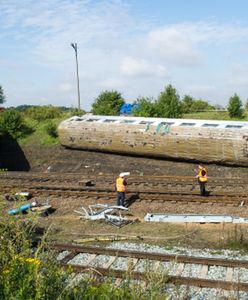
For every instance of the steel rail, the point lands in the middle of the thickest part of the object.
(153, 256)
(67, 175)
(191, 281)
(144, 191)
(145, 195)
(182, 183)
(177, 280)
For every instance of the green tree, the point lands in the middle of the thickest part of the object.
(108, 103)
(187, 103)
(145, 108)
(12, 122)
(2, 96)
(201, 105)
(191, 105)
(168, 104)
(235, 107)
(246, 105)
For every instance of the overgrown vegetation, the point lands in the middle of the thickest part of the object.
(51, 129)
(34, 123)
(41, 113)
(30, 271)
(12, 123)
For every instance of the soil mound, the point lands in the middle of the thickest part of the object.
(60, 159)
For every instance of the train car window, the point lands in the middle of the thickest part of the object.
(210, 125)
(187, 124)
(166, 123)
(92, 120)
(145, 122)
(234, 126)
(109, 121)
(76, 119)
(127, 121)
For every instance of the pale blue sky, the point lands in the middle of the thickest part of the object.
(135, 47)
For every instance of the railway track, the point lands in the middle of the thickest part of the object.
(179, 269)
(159, 188)
(186, 182)
(161, 196)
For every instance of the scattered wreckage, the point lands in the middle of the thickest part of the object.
(43, 208)
(111, 214)
(23, 196)
(193, 218)
(35, 206)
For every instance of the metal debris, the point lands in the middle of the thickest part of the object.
(191, 218)
(102, 212)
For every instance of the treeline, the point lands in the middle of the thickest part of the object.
(168, 105)
(24, 120)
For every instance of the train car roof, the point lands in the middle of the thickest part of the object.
(160, 121)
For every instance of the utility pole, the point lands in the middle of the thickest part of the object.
(74, 46)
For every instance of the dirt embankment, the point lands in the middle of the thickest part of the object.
(66, 160)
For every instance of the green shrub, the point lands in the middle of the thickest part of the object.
(51, 129)
(41, 113)
(30, 271)
(76, 112)
(12, 122)
(144, 107)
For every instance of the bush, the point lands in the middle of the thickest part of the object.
(51, 130)
(28, 273)
(41, 113)
(11, 122)
(144, 108)
(76, 112)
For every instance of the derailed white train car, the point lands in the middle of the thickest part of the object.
(209, 141)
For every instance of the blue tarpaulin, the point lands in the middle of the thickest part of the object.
(127, 108)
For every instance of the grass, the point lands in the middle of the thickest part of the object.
(213, 115)
(40, 135)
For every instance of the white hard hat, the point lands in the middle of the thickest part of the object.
(33, 203)
(123, 174)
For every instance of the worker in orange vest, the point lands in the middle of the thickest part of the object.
(202, 179)
(120, 185)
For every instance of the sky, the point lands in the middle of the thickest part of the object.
(136, 47)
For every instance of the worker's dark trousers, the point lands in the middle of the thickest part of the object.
(121, 198)
(202, 188)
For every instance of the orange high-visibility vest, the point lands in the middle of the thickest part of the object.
(120, 187)
(202, 175)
